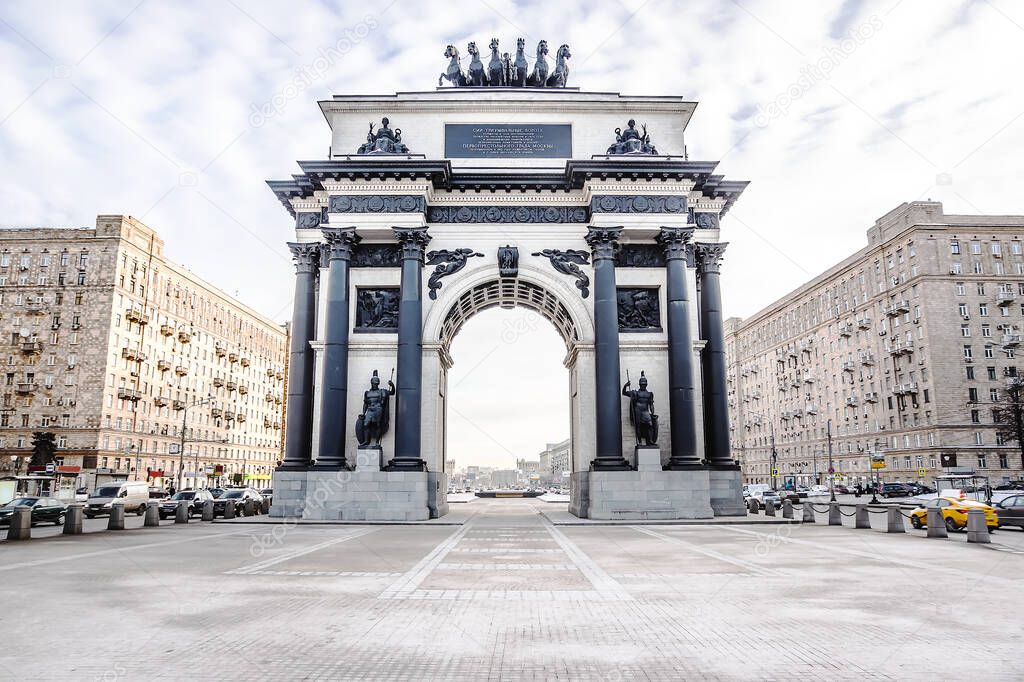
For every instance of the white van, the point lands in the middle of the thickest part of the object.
(134, 495)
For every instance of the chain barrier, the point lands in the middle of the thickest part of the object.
(853, 513)
(825, 511)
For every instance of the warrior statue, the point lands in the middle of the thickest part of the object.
(384, 141)
(641, 412)
(454, 73)
(539, 77)
(476, 75)
(521, 68)
(560, 76)
(373, 423)
(632, 141)
(495, 68)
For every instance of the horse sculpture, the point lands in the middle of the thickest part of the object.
(495, 69)
(476, 74)
(539, 77)
(521, 69)
(454, 73)
(560, 77)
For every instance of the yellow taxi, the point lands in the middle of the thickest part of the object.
(954, 513)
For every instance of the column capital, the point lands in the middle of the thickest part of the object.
(709, 255)
(675, 241)
(306, 256)
(603, 241)
(413, 241)
(339, 242)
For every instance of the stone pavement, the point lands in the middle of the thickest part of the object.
(510, 596)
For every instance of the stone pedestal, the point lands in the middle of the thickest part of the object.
(437, 493)
(638, 495)
(647, 458)
(370, 458)
(727, 491)
(579, 493)
(289, 493)
(366, 494)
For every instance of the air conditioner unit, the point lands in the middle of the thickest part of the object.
(71, 403)
(967, 317)
(71, 365)
(882, 332)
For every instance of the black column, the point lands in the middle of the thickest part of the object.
(682, 388)
(408, 402)
(334, 390)
(713, 360)
(603, 242)
(298, 441)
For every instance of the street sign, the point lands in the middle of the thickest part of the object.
(922, 472)
(50, 468)
(174, 449)
(948, 459)
(775, 473)
(838, 477)
(209, 469)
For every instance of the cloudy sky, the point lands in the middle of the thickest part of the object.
(836, 111)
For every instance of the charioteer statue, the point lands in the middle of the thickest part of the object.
(632, 141)
(384, 141)
(373, 423)
(641, 412)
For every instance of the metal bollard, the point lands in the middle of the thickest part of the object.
(787, 509)
(895, 521)
(208, 510)
(977, 527)
(21, 524)
(152, 516)
(809, 513)
(835, 517)
(249, 507)
(752, 505)
(936, 526)
(73, 519)
(862, 520)
(229, 509)
(769, 508)
(116, 520)
(265, 506)
(181, 512)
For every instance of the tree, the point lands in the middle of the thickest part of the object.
(44, 447)
(1009, 414)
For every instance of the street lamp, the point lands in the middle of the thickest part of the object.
(184, 420)
(831, 467)
(871, 471)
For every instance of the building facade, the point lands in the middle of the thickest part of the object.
(901, 353)
(555, 463)
(139, 368)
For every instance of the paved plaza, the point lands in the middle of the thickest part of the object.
(500, 590)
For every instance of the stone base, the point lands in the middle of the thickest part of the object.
(437, 493)
(727, 491)
(363, 495)
(640, 495)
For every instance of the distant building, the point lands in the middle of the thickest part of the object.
(905, 347)
(554, 460)
(115, 349)
(505, 478)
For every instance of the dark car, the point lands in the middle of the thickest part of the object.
(216, 492)
(157, 493)
(895, 490)
(196, 499)
(789, 494)
(842, 489)
(1012, 485)
(1011, 511)
(44, 510)
(267, 494)
(236, 497)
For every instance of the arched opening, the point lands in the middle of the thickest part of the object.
(507, 385)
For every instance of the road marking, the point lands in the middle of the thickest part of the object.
(86, 555)
(605, 585)
(506, 567)
(414, 577)
(302, 551)
(747, 565)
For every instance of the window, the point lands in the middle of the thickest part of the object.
(982, 462)
(965, 330)
(961, 290)
(972, 395)
(83, 260)
(968, 354)
(975, 416)
(957, 268)
(986, 330)
(954, 247)
(979, 438)
(970, 372)
(981, 288)
(1004, 461)
(976, 248)
(989, 352)
(993, 394)
(991, 373)
(963, 309)
(983, 309)
(996, 250)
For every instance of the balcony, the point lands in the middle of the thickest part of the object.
(230, 416)
(277, 425)
(167, 330)
(756, 395)
(1011, 340)
(805, 346)
(216, 412)
(279, 375)
(270, 372)
(795, 382)
(864, 323)
(240, 418)
(849, 366)
(181, 370)
(852, 401)
(31, 347)
(160, 401)
(133, 354)
(26, 388)
(791, 352)
(277, 400)
(219, 351)
(137, 316)
(786, 416)
(243, 361)
(35, 308)
(269, 397)
(845, 329)
(163, 365)
(243, 389)
(267, 423)
(232, 357)
(231, 385)
(178, 405)
(128, 394)
(896, 308)
(811, 409)
(867, 359)
(218, 381)
(809, 378)
(871, 397)
(902, 348)
(905, 389)
(1004, 298)
(184, 336)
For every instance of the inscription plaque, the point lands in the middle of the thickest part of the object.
(508, 140)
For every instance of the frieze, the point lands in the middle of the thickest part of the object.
(640, 256)
(308, 220)
(706, 221)
(639, 309)
(376, 203)
(377, 256)
(377, 309)
(448, 263)
(507, 214)
(638, 203)
(568, 262)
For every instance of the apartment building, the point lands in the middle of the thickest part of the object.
(901, 353)
(137, 366)
(554, 461)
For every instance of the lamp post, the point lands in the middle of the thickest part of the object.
(184, 420)
(775, 458)
(871, 471)
(831, 467)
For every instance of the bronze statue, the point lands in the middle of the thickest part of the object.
(448, 262)
(521, 68)
(454, 73)
(384, 141)
(495, 69)
(560, 77)
(539, 77)
(476, 74)
(632, 141)
(641, 412)
(373, 423)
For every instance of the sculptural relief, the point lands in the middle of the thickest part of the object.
(638, 309)
(377, 309)
(504, 71)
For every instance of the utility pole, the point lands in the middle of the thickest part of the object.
(775, 457)
(831, 468)
(181, 444)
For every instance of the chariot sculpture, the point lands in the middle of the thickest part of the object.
(503, 70)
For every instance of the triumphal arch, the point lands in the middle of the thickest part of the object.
(507, 187)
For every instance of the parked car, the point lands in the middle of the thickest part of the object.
(236, 497)
(44, 510)
(134, 495)
(196, 499)
(818, 491)
(896, 490)
(1011, 511)
(1012, 485)
(954, 513)
(81, 494)
(216, 492)
(761, 493)
(842, 489)
(268, 495)
(158, 493)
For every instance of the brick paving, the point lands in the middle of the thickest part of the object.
(509, 596)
